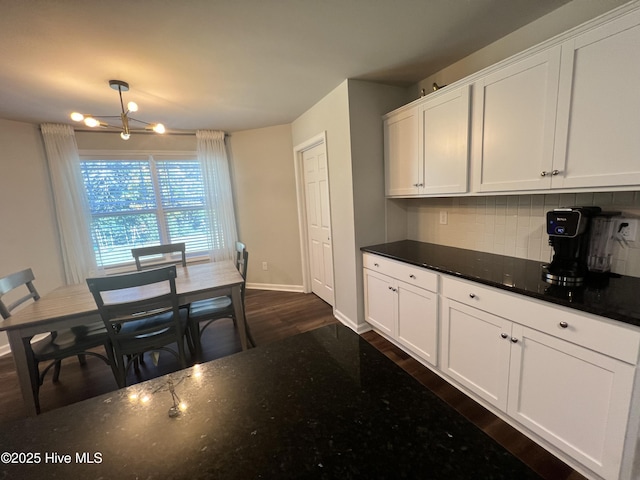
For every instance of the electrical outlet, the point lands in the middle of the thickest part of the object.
(626, 229)
(265, 266)
(444, 217)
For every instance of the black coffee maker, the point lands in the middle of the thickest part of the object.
(569, 234)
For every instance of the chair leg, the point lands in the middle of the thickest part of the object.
(82, 359)
(56, 371)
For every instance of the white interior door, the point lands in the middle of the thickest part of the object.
(316, 184)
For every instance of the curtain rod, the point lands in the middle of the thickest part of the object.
(91, 130)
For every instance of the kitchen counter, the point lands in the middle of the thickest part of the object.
(320, 405)
(612, 296)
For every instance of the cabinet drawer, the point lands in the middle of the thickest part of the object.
(607, 336)
(420, 277)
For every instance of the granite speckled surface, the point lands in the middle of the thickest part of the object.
(321, 405)
(612, 296)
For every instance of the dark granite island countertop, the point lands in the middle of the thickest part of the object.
(321, 405)
(612, 296)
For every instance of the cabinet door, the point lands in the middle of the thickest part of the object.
(403, 166)
(475, 349)
(514, 124)
(598, 141)
(444, 127)
(380, 301)
(418, 321)
(575, 398)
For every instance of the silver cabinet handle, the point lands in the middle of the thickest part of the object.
(564, 324)
(472, 295)
(555, 172)
(504, 335)
(393, 289)
(412, 276)
(543, 173)
(376, 264)
(514, 339)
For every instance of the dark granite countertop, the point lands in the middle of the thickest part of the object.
(612, 296)
(321, 405)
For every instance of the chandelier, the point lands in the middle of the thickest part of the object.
(95, 121)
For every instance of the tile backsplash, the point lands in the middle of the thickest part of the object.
(514, 225)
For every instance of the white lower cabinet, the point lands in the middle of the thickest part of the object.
(405, 312)
(563, 377)
(543, 367)
(573, 397)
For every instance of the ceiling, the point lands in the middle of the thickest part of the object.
(230, 64)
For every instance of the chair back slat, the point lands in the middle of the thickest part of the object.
(167, 251)
(12, 282)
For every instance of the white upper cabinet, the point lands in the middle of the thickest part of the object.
(427, 146)
(403, 165)
(598, 126)
(514, 111)
(444, 142)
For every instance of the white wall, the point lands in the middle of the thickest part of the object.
(352, 117)
(29, 236)
(265, 202)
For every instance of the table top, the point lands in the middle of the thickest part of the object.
(75, 301)
(611, 295)
(321, 405)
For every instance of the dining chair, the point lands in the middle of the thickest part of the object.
(141, 313)
(205, 312)
(160, 255)
(57, 345)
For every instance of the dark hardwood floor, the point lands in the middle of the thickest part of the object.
(273, 316)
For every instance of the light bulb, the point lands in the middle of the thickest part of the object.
(159, 128)
(91, 122)
(124, 136)
(132, 106)
(77, 117)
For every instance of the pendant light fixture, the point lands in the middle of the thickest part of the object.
(95, 121)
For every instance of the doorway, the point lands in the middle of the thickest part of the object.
(314, 214)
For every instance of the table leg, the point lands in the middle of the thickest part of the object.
(238, 310)
(19, 352)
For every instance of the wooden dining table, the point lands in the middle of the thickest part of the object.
(73, 305)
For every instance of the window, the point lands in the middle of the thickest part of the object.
(145, 200)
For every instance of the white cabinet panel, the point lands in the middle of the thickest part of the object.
(598, 136)
(575, 398)
(418, 321)
(380, 302)
(475, 350)
(403, 165)
(514, 112)
(444, 127)
(404, 310)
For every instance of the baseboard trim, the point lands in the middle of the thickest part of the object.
(275, 287)
(4, 350)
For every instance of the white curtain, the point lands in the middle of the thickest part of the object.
(72, 208)
(212, 155)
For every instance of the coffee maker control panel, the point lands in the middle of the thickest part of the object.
(565, 222)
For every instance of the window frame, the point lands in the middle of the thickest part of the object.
(152, 157)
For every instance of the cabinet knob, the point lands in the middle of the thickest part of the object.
(514, 339)
(564, 324)
(376, 264)
(555, 172)
(543, 173)
(412, 276)
(472, 295)
(504, 335)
